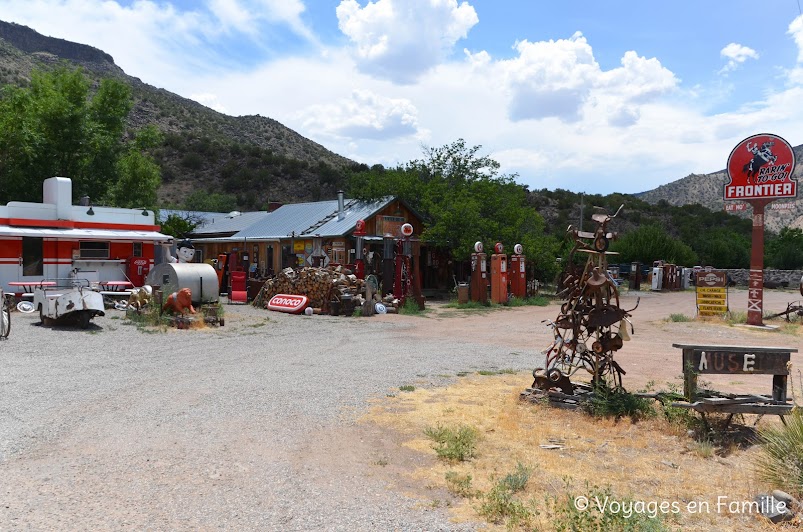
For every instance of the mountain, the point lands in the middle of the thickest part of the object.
(706, 190)
(254, 158)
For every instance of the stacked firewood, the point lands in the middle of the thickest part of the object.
(320, 285)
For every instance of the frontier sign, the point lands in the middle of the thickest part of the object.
(760, 171)
(760, 167)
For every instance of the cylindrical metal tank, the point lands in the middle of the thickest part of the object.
(201, 279)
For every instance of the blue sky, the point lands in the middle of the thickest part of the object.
(594, 96)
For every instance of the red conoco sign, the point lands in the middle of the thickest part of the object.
(760, 167)
(291, 303)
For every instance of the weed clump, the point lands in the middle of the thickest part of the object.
(453, 444)
(618, 403)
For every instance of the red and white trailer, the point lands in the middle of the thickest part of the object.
(56, 239)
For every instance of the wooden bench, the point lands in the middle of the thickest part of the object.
(736, 360)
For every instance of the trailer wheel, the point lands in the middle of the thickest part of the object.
(6, 323)
(42, 318)
(83, 319)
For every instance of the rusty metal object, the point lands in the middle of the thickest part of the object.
(591, 326)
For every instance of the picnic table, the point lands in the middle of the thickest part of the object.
(115, 286)
(27, 287)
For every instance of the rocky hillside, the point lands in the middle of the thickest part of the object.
(706, 190)
(203, 149)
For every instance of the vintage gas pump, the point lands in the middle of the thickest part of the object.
(359, 260)
(517, 273)
(387, 264)
(499, 275)
(401, 281)
(479, 275)
(415, 249)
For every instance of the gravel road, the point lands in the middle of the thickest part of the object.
(247, 426)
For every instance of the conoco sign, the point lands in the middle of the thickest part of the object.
(760, 168)
(290, 303)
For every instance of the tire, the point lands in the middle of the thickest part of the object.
(601, 244)
(83, 319)
(44, 320)
(6, 323)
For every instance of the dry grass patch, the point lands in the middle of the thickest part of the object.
(644, 461)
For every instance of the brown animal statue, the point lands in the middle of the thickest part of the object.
(140, 297)
(179, 302)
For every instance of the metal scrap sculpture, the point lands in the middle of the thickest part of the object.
(591, 326)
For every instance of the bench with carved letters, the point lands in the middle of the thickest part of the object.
(737, 360)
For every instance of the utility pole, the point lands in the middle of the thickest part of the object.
(582, 196)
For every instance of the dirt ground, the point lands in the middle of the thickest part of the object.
(649, 356)
(647, 461)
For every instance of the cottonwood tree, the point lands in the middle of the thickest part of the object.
(59, 127)
(462, 198)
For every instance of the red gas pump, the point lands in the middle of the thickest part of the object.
(401, 281)
(499, 275)
(359, 260)
(517, 273)
(479, 275)
(137, 270)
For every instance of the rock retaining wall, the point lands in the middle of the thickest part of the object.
(779, 277)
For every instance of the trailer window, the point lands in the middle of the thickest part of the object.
(94, 250)
(137, 252)
(32, 256)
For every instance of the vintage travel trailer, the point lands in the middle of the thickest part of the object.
(56, 239)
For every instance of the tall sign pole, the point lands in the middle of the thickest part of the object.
(760, 171)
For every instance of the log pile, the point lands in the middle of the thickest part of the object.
(320, 285)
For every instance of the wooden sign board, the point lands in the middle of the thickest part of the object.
(719, 362)
(712, 293)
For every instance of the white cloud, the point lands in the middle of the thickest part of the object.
(562, 79)
(209, 100)
(736, 55)
(399, 40)
(364, 115)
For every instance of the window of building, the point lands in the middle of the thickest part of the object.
(32, 256)
(137, 249)
(94, 250)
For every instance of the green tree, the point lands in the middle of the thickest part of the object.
(139, 177)
(56, 128)
(785, 251)
(462, 199)
(179, 226)
(649, 243)
(204, 201)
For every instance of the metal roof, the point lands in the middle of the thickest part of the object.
(85, 234)
(314, 218)
(229, 224)
(201, 216)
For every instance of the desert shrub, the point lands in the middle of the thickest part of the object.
(780, 462)
(500, 505)
(517, 480)
(618, 403)
(453, 444)
(459, 485)
(568, 515)
(679, 318)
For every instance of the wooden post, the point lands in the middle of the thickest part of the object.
(689, 375)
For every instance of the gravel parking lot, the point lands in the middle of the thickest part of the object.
(255, 425)
(247, 426)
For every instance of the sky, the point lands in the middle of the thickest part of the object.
(587, 95)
